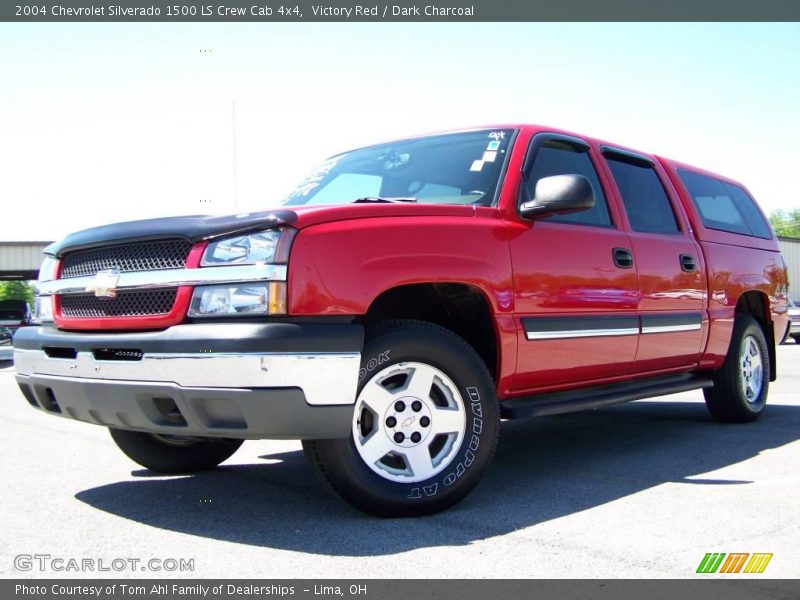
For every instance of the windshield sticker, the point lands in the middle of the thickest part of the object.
(477, 165)
(493, 146)
(489, 156)
(498, 135)
(315, 178)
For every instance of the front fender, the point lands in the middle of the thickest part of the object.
(339, 268)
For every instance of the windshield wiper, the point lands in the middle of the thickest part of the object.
(382, 199)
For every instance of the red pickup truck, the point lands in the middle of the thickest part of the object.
(406, 297)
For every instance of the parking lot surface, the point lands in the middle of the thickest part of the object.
(637, 490)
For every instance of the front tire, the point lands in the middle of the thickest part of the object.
(425, 426)
(172, 453)
(741, 385)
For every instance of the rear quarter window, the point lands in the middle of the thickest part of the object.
(724, 206)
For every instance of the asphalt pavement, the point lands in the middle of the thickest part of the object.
(638, 490)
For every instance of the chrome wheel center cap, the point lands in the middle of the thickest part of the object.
(408, 422)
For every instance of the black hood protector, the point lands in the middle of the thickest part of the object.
(194, 228)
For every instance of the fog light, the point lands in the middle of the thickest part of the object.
(226, 300)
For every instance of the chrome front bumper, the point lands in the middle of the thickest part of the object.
(325, 379)
(269, 389)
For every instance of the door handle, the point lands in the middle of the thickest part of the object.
(622, 258)
(688, 263)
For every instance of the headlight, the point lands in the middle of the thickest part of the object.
(43, 309)
(270, 246)
(47, 272)
(43, 305)
(253, 248)
(268, 298)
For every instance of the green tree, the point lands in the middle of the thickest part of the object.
(16, 290)
(786, 223)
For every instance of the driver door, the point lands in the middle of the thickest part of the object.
(575, 281)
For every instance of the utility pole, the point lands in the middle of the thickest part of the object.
(233, 131)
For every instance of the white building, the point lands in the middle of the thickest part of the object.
(790, 248)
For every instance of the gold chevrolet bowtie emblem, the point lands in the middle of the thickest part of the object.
(104, 284)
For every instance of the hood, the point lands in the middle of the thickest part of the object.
(197, 228)
(313, 215)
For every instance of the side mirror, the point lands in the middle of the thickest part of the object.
(558, 194)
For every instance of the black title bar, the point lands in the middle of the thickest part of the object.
(371, 589)
(277, 11)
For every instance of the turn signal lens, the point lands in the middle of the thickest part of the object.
(277, 297)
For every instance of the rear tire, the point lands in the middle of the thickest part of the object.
(741, 385)
(786, 335)
(425, 425)
(173, 453)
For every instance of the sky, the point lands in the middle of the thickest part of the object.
(111, 122)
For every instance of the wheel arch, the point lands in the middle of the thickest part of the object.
(463, 308)
(755, 304)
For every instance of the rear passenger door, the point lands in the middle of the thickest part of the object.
(671, 281)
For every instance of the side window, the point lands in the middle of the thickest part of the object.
(724, 206)
(746, 206)
(555, 158)
(646, 202)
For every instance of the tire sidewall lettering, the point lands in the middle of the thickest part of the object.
(458, 469)
(373, 363)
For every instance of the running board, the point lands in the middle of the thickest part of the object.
(605, 395)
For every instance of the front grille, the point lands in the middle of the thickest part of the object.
(140, 256)
(126, 304)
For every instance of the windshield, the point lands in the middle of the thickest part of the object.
(456, 168)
